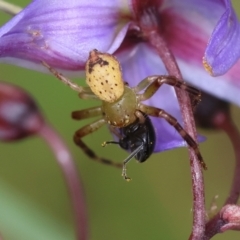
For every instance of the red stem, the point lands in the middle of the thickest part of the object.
(149, 24)
(224, 122)
(231, 130)
(73, 182)
(156, 40)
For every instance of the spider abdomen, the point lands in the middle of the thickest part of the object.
(104, 76)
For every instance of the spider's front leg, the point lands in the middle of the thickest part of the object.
(84, 92)
(87, 113)
(157, 112)
(79, 134)
(153, 83)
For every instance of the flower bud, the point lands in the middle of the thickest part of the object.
(19, 114)
(230, 214)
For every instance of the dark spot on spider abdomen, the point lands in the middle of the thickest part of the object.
(99, 61)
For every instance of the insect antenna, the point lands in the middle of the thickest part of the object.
(125, 162)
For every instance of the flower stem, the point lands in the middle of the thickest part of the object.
(70, 173)
(168, 59)
(149, 28)
(224, 122)
(9, 8)
(231, 130)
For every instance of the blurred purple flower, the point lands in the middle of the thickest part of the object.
(20, 117)
(19, 114)
(62, 34)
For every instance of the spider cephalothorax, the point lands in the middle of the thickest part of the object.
(122, 108)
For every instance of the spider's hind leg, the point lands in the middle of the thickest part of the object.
(157, 112)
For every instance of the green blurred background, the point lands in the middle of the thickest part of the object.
(34, 203)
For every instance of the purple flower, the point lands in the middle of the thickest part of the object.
(62, 34)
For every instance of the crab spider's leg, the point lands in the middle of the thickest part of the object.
(157, 112)
(145, 82)
(87, 113)
(87, 94)
(157, 81)
(79, 134)
(84, 92)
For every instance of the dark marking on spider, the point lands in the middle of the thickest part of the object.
(95, 59)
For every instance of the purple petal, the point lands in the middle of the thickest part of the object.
(225, 87)
(224, 45)
(139, 62)
(187, 26)
(188, 40)
(63, 32)
(203, 14)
